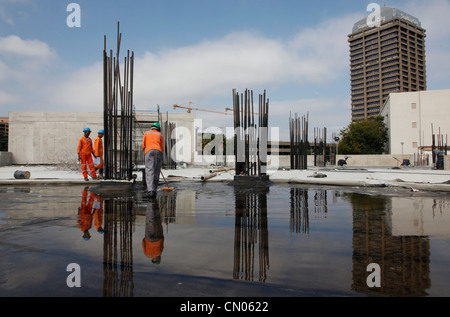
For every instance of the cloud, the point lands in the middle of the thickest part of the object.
(211, 67)
(322, 51)
(316, 56)
(22, 70)
(15, 46)
(21, 59)
(80, 90)
(200, 73)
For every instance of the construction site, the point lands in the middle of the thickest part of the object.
(248, 215)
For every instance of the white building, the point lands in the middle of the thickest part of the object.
(413, 117)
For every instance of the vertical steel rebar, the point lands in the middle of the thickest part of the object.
(118, 117)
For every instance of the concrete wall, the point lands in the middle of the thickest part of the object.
(48, 137)
(5, 158)
(447, 162)
(383, 160)
(275, 162)
(52, 137)
(409, 116)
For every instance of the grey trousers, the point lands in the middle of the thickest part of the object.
(153, 226)
(153, 163)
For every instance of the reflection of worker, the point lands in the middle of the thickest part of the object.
(153, 242)
(85, 154)
(85, 214)
(98, 152)
(153, 146)
(98, 213)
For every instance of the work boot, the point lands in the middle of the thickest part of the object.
(86, 179)
(149, 194)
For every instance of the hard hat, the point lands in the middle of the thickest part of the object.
(156, 124)
(86, 129)
(101, 131)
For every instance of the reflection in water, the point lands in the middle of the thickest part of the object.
(404, 260)
(378, 236)
(250, 230)
(153, 242)
(120, 214)
(90, 210)
(438, 206)
(299, 221)
(167, 203)
(320, 203)
(299, 207)
(118, 247)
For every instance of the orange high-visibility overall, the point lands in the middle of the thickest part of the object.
(85, 151)
(85, 216)
(153, 140)
(98, 151)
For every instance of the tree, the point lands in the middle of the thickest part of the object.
(367, 136)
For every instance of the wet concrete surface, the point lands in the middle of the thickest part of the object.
(212, 239)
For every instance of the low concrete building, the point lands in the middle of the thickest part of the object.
(413, 117)
(37, 137)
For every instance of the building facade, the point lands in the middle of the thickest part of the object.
(386, 58)
(413, 118)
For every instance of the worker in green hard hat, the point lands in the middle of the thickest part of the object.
(153, 146)
(153, 241)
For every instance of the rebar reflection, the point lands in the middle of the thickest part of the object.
(251, 235)
(118, 248)
(299, 215)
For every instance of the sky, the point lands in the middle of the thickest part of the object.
(198, 51)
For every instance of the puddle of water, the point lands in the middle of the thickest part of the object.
(210, 239)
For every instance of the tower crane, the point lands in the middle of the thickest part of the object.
(189, 109)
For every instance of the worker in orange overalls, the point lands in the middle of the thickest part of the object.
(98, 152)
(153, 146)
(85, 214)
(98, 213)
(85, 154)
(153, 242)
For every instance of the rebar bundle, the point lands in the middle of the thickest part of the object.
(250, 138)
(320, 147)
(118, 118)
(298, 132)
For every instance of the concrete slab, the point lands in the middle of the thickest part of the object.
(412, 178)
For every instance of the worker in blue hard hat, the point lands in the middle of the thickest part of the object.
(153, 146)
(85, 213)
(84, 150)
(98, 152)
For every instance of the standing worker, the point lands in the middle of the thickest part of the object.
(153, 146)
(98, 152)
(85, 154)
